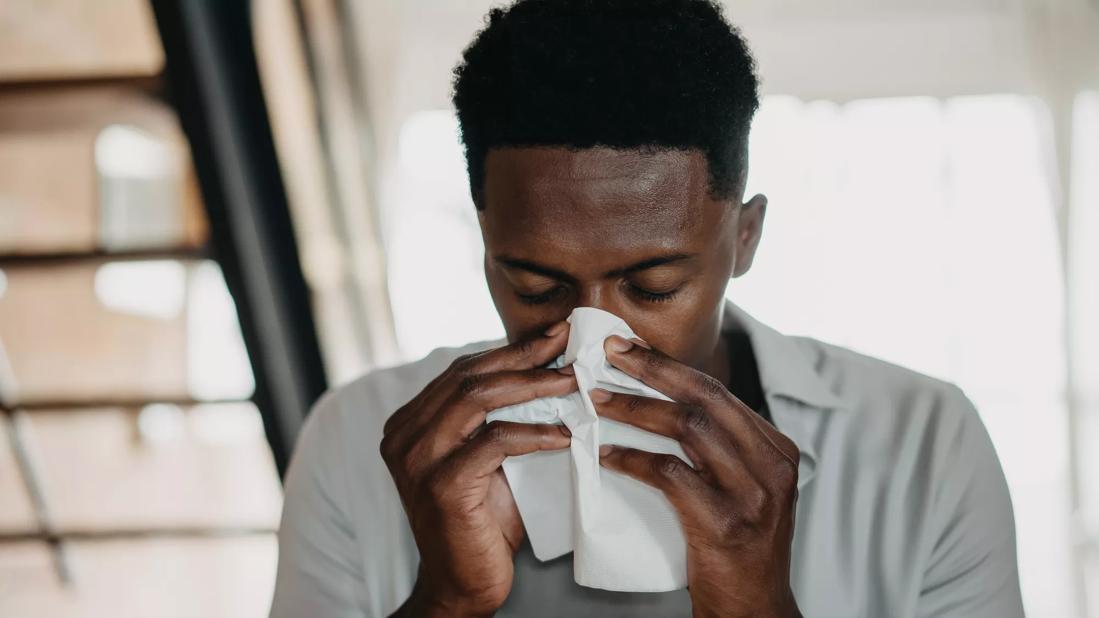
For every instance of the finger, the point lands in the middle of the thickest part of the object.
(484, 453)
(681, 484)
(685, 385)
(479, 394)
(662, 372)
(711, 448)
(528, 353)
(666, 418)
(782, 443)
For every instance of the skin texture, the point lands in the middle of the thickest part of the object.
(637, 234)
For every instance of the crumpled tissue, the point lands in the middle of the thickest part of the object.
(624, 535)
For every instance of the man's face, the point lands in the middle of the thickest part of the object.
(636, 234)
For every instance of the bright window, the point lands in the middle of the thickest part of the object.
(923, 232)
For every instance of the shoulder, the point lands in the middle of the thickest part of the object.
(881, 388)
(899, 420)
(913, 431)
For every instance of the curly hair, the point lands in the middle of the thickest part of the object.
(624, 74)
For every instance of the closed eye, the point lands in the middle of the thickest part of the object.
(650, 296)
(542, 297)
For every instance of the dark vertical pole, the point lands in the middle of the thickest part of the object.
(213, 81)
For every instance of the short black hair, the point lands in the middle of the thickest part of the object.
(626, 74)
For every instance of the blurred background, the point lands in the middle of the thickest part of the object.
(212, 211)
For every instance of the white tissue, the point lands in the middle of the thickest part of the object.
(624, 535)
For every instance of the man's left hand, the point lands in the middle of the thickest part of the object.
(736, 504)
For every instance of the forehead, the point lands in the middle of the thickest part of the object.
(598, 198)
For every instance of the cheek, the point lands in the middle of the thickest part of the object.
(686, 336)
(687, 330)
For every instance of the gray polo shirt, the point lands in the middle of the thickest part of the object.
(902, 511)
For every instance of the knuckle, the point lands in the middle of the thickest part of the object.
(395, 419)
(790, 448)
(387, 428)
(467, 364)
(463, 362)
(710, 388)
(471, 385)
(634, 405)
(756, 503)
(668, 466)
(437, 486)
(496, 433)
(651, 362)
(727, 523)
(789, 466)
(525, 347)
(408, 460)
(695, 421)
(786, 475)
(732, 529)
(387, 447)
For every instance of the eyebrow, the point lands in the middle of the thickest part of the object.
(539, 269)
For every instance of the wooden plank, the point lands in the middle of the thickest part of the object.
(72, 39)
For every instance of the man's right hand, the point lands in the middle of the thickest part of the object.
(446, 462)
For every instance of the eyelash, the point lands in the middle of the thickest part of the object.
(652, 297)
(540, 299)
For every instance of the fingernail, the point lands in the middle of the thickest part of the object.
(599, 395)
(618, 344)
(564, 430)
(556, 329)
(605, 450)
(567, 370)
(641, 343)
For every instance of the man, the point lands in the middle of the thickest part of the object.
(606, 143)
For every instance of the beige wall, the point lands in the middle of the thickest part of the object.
(67, 39)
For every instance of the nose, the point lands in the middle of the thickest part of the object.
(598, 295)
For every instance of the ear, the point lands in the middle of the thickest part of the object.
(749, 231)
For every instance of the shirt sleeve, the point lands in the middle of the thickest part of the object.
(319, 571)
(972, 570)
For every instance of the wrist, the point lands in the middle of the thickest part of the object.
(716, 606)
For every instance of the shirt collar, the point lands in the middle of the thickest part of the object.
(796, 394)
(784, 369)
